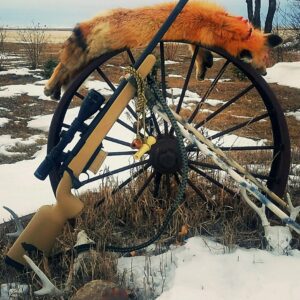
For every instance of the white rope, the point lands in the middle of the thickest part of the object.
(219, 157)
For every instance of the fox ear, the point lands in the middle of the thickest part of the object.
(273, 40)
(246, 56)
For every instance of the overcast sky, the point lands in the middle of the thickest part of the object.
(66, 13)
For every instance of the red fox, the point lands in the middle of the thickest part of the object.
(199, 22)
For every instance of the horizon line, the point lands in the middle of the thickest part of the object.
(40, 28)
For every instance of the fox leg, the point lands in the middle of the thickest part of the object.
(204, 60)
(53, 85)
(72, 59)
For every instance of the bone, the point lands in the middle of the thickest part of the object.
(277, 237)
(261, 211)
(82, 238)
(16, 220)
(294, 211)
(48, 288)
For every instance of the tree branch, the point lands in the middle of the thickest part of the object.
(250, 10)
(256, 17)
(270, 16)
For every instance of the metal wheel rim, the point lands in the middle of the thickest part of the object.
(280, 166)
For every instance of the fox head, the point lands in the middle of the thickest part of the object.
(256, 51)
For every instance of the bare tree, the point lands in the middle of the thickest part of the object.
(3, 35)
(270, 16)
(254, 14)
(293, 15)
(291, 21)
(250, 10)
(33, 40)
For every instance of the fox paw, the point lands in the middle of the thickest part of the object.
(47, 91)
(207, 63)
(53, 93)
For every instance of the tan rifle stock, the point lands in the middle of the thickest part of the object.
(49, 220)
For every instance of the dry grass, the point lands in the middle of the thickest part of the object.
(121, 221)
(171, 51)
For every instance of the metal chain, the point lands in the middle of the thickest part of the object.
(154, 95)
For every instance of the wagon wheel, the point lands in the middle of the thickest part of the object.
(245, 122)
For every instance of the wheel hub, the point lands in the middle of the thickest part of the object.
(165, 155)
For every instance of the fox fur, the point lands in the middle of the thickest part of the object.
(199, 22)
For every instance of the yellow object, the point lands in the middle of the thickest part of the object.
(49, 220)
(151, 140)
(98, 161)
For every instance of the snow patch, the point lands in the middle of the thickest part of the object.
(214, 102)
(220, 80)
(30, 89)
(21, 72)
(99, 86)
(171, 62)
(231, 140)
(20, 190)
(295, 114)
(218, 58)
(285, 73)
(190, 97)
(241, 117)
(41, 122)
(175, 76)
(4, 109)
(10, 56)
(7, 143)
(204, 269)
(3, 121)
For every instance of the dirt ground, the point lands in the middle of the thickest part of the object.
(52, 36)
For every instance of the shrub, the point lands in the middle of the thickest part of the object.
(238, 74)
(33, 41)
(48, 67)
(2, 47)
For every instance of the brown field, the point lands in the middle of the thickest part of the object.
(52, 36)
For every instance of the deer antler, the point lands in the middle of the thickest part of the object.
(261, 211)
(277, 237)
(48, 287)
(293, 210)
(17, 222)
